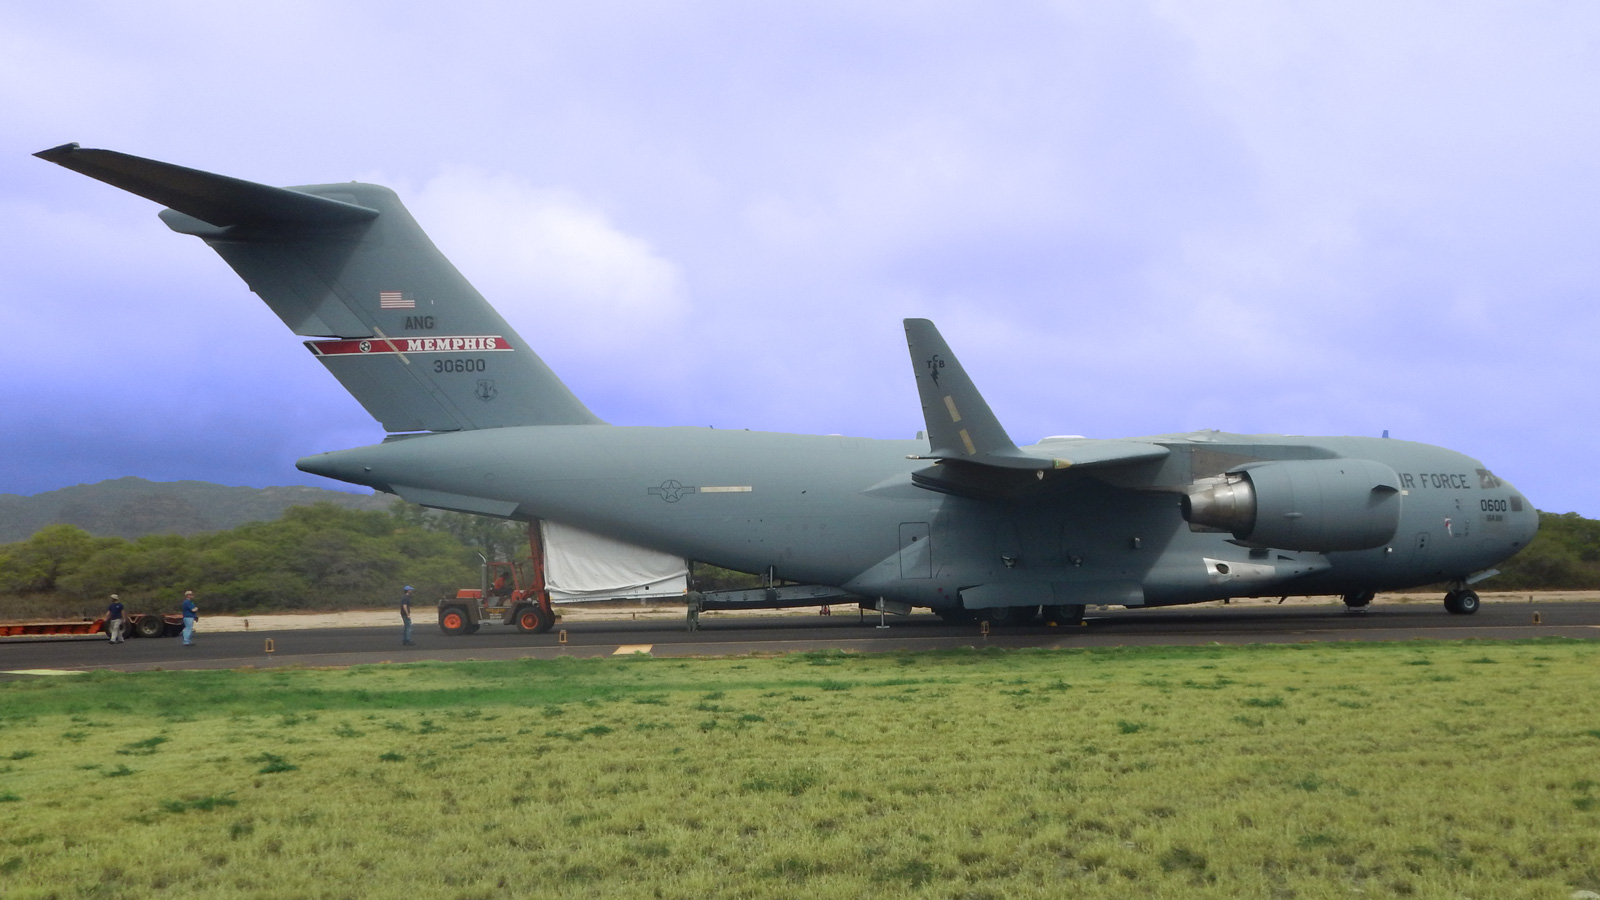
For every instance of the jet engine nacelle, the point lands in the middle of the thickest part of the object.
(1317, 504)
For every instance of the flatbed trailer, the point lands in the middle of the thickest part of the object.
(139, 625)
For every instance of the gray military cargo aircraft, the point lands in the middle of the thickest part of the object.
(965, 522)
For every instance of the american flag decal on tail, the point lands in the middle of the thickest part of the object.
(396, 300)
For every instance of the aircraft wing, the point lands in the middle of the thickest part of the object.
(1084, 453)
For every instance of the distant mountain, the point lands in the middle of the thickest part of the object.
(133, 507)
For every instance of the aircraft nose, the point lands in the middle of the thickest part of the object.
(1524, 517)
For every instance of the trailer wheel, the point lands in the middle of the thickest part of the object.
(150, 627)
(453, 620)
(533, 620)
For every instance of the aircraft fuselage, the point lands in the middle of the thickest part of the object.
(844, 511)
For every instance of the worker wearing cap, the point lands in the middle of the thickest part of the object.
(191, 616)
(115, 620)
(405, 616)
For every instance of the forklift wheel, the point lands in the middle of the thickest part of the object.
(532, 620)
(453, 620)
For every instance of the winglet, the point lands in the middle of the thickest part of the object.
(215, 199)
(960, 424)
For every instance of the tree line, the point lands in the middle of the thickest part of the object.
(1565, 555)
(325, 557)
(313, 557)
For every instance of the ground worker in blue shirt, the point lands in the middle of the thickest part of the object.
(115, 621)
(191, 615)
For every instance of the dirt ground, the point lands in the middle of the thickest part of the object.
(576, 614)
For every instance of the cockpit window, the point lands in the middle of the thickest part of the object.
(1486, 479)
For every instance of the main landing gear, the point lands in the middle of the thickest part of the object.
(1358, 600)
(1070, 614)
(1461, 602)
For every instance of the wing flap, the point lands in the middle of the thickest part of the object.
(1086, 453)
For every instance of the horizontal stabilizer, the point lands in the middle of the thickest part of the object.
(214, 199)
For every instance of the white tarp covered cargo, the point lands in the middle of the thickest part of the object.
(580, 565)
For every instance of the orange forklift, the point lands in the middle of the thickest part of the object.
(510, 593)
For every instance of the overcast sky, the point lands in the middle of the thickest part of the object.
(1127, 218)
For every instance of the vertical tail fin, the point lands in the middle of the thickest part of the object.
(402, 330)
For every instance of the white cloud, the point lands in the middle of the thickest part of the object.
(551, 262)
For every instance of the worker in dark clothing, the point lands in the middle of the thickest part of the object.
(191, 616)
(115, 620)
(405, 616)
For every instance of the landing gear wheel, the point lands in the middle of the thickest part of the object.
(1068, 615)
(150, 627)
(1461, 603)
(533, 620)
(1359, 599)
(453, 620)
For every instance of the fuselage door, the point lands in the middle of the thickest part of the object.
(1419, 556)
(916, 554)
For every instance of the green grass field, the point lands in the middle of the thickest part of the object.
(1369, 770)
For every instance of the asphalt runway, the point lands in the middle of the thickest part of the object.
(807, 631)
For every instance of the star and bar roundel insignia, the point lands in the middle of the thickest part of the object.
(672, 490)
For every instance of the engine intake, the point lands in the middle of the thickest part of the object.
(1320, 504)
